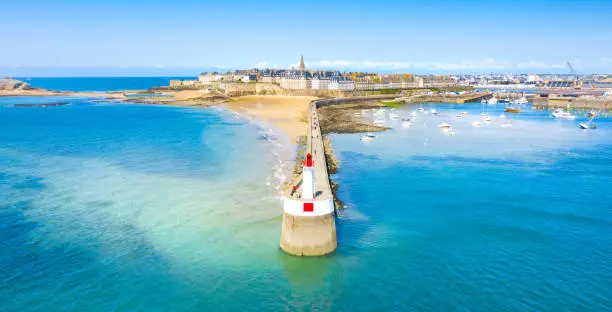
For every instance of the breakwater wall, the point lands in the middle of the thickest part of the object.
(309, 213)
(309, 224)
(581, 102)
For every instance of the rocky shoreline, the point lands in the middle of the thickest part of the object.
(341, 118)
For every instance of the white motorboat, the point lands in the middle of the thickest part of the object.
(502, 116)
(394, 116)
(487, 119)
(492, 100)
(406, 124)
(413, 114)
(433, 111)
(561, 114)
(483, 101)
(421, 109)
(522, 100)
(367, 137)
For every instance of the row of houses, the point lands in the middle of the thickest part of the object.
(324, 80)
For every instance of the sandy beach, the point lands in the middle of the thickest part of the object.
(288, 113)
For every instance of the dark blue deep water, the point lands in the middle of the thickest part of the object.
(100, 83)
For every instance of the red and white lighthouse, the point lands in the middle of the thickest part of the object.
(308, 184)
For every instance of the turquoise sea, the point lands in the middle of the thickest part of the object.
(107, 206)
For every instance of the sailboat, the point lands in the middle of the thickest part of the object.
(588, 125)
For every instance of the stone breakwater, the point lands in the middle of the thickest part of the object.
(581, 102)
(308, 224)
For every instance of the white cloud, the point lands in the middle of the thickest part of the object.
(385, 65)
(489, 63)
(485, 64)
(336, 63)
(261, 64)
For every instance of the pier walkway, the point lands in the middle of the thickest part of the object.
(314, 146)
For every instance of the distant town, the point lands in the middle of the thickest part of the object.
(334, 80)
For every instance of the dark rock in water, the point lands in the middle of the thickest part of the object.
(42, 104)
(13, 84)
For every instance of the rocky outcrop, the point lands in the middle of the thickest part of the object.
(340, 118)
(13, 84)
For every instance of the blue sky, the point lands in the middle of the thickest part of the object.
(183, 37)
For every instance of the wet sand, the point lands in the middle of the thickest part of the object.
(287, 113)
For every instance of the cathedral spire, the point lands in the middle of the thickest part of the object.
(302, 62)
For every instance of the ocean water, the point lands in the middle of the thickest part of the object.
(134, 207)
(127, 207)
(99, 83)
(494, 218)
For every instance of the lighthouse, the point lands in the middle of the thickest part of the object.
(308, 186)
(309, 223)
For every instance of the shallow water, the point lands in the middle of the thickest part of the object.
(153, 208)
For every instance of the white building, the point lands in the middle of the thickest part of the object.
(533, 78)
(320, 83)
(296, 81)
(249, 78)
(341, 83)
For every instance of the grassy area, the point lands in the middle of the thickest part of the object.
(390, 91)
(393, 104)
(451, 89)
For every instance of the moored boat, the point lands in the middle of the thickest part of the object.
(512, 109)
(444, 126)
(561, 114)
(367, 137)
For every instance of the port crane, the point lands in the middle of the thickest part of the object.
(579, 82)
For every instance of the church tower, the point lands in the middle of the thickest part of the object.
(302, 62)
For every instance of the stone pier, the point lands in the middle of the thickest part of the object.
(309, 225)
